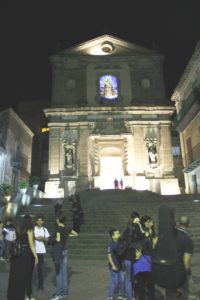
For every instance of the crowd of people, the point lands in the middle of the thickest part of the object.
(141, 258)
(33, 238)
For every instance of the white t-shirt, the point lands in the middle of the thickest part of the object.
(39, 245)
(10, 233)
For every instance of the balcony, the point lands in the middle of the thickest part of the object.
(189, 110)
(192, 159)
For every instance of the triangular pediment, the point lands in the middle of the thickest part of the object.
(108, 45)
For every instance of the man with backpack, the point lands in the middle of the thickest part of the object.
(187, 247)
(41, 238)
(169, 269)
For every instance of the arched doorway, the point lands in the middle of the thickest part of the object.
(111, 168)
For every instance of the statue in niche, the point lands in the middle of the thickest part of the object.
(152, 153)
(69, 156)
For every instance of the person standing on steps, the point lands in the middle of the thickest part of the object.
(116, 183)
(121, 183)
(77, 213)
(41, 235)
(58, 208)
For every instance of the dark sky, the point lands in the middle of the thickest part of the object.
(30, 31)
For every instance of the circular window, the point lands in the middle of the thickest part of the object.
(107, 47)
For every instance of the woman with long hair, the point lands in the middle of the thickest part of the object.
(21, 266)
(132, 237)
(143, 267)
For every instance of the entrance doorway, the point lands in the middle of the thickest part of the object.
(110, 168)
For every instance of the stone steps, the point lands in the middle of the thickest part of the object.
(104, 210)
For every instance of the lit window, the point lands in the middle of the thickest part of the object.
(108, 85)
(44, 129)
(176, 151)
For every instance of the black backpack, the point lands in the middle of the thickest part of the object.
(167, 264)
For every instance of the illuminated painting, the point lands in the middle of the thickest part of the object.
(108, 87)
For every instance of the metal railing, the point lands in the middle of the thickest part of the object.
(192, 98)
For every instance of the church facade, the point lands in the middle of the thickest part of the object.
(109, 120)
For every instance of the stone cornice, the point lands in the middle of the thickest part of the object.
(189, 75)
(169, 110)
(12, 114)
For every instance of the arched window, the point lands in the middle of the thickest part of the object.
(145, 83)
(108, 87)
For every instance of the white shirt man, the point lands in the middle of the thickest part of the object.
(41, 237)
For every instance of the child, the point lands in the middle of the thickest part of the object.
(115, 266)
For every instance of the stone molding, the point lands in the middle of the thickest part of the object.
(184, 85)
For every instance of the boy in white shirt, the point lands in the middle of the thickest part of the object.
(41, 237)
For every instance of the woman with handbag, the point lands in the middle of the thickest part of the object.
(21, 265)
(132, 234)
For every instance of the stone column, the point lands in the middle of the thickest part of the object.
(166, 151)
(96, 158)
(140, 158)
(54, 151)
(83, 151)
(83, 157)
(126, 156)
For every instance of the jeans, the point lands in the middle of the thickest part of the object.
(1, 248)
(117, 280)
(40, 268)
(129, 279)
(61, 277)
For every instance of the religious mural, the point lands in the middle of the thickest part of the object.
(108, 87)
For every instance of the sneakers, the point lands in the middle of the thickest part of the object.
(56, 297)
(2, 259)
(122, 298)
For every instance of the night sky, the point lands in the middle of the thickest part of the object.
(31, 31)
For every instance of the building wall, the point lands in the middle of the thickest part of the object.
(17, 141)
(187, 100)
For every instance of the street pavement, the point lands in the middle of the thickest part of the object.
(87, 280)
